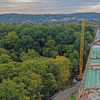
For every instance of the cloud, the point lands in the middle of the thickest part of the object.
(89, 8)
(24, 0)
(21, 0)
(49, 6)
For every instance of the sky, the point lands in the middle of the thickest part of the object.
(49, 6)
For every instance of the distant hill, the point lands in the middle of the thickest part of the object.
(29, 18)
(87, 16)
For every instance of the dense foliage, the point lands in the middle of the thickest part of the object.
(36, 61)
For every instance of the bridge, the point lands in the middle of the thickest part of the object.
(90, 86)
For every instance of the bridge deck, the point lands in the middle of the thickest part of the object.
(91, 80)
(94, 55)
(92, 77)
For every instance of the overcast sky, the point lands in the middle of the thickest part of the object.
(49, 6)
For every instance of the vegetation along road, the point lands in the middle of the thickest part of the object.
(64, 95)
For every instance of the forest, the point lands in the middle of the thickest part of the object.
(38, 60)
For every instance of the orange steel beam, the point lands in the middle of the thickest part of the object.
(81, 48)
(92, 65)
(92, 87)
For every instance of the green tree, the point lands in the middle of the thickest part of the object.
(50, 49)
(61, 68)
(69, 50)
(32, 53)
(27, 42)
(11, 41)
(12, 91)
(61, 38)
(32, 83)
(49, 52)
(50, 84)
(74, 58)
(36, 65)
(5, 59)
(3, 51)
(29, 55)
(50, 44)
(88, 37)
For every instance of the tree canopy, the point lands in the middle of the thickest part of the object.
(38, 60)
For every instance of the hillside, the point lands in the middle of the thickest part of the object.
(29, 18)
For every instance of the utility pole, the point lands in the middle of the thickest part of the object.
(81, 49)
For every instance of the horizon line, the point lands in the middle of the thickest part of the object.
(47, 13)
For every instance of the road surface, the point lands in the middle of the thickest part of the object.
(97, 35)
(64, 95)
